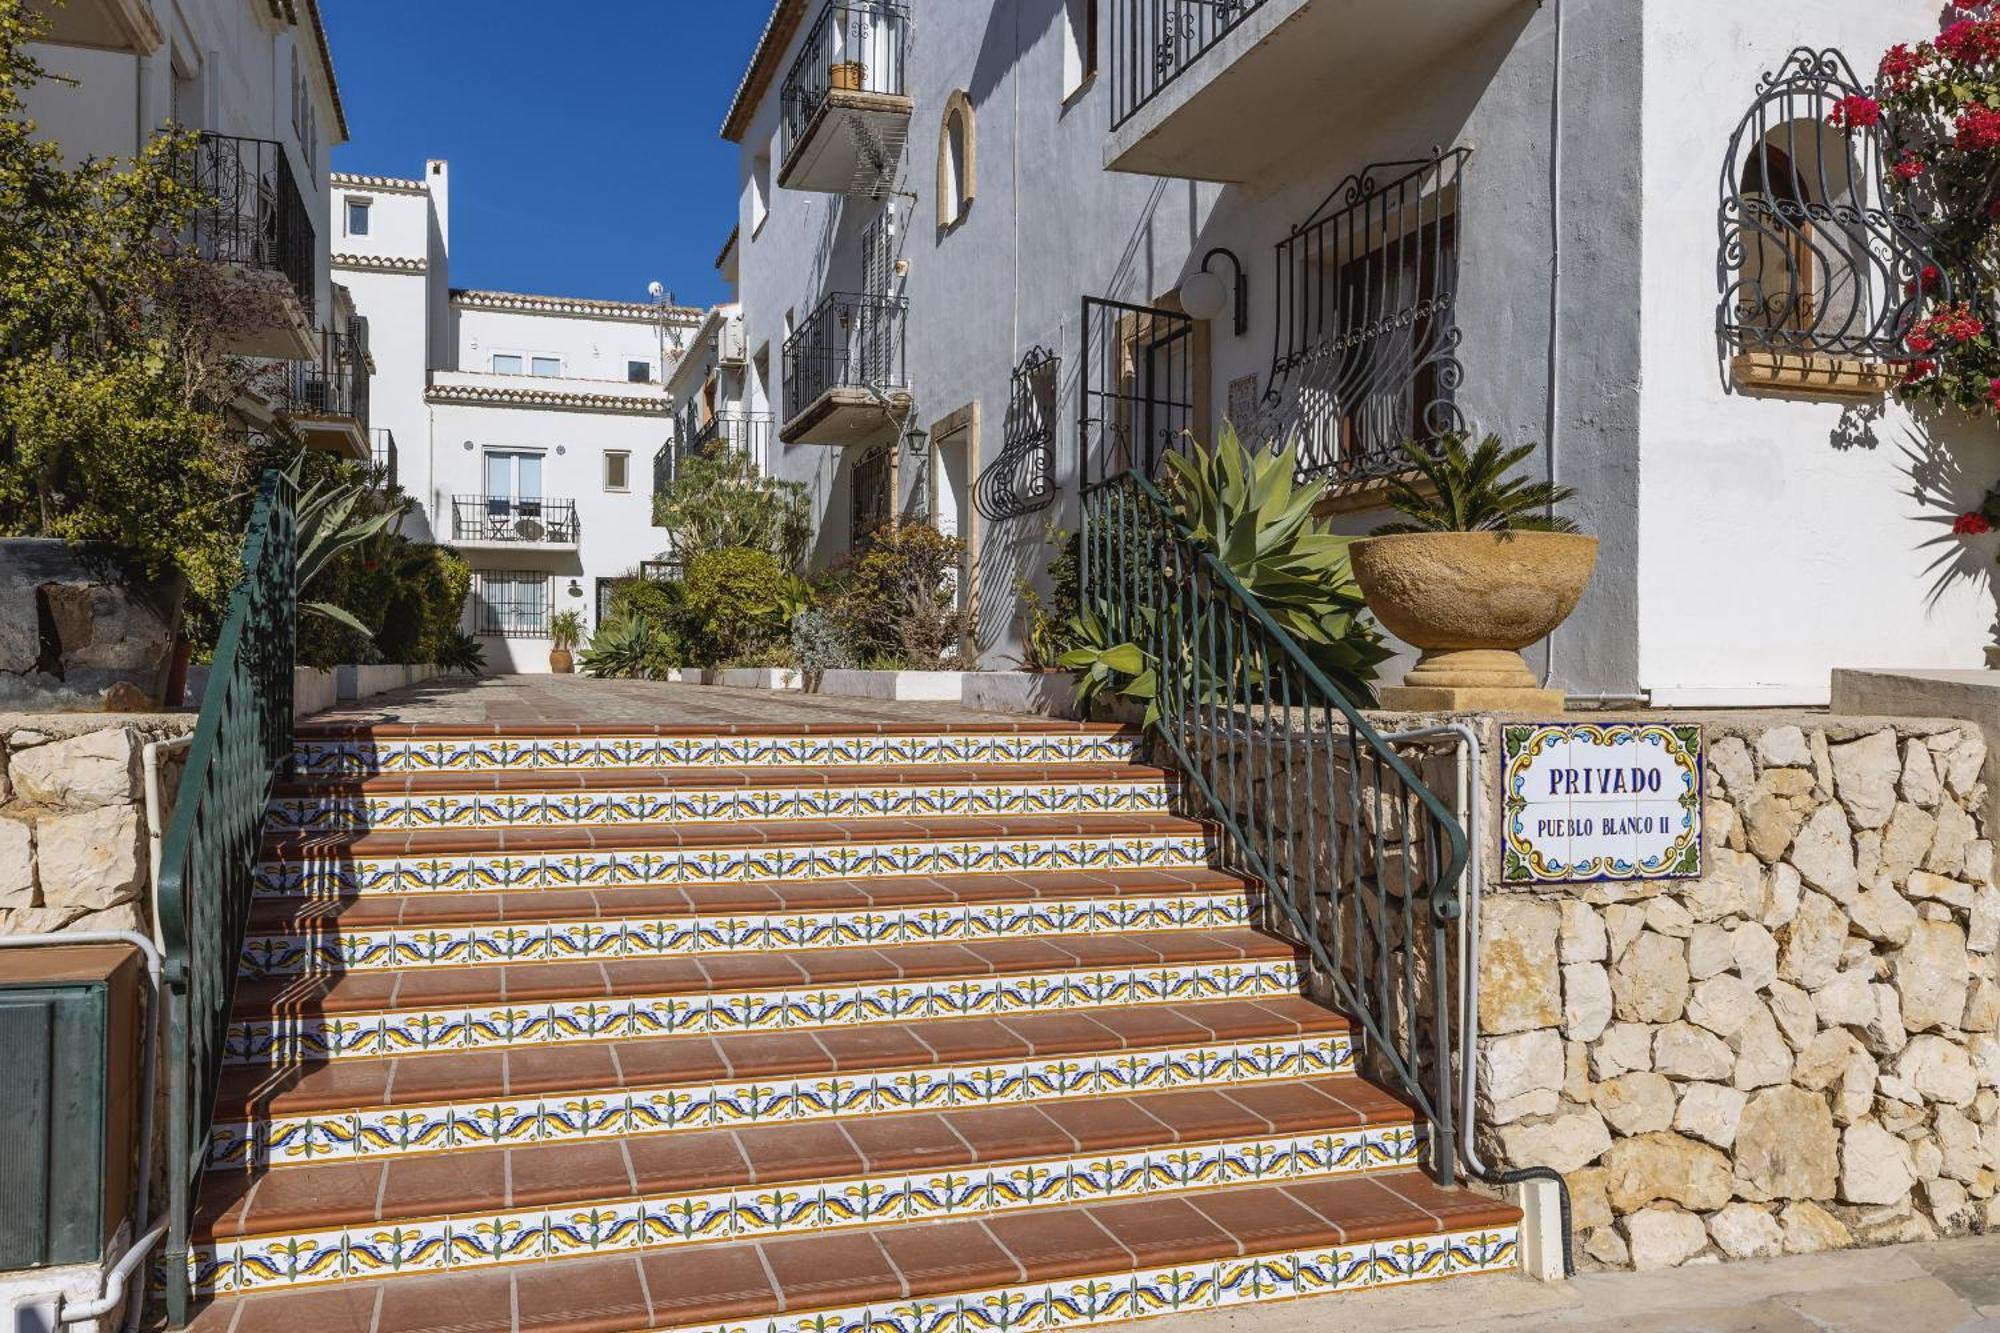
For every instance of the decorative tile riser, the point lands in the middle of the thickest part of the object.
(1181, 1289)
(667, 937)
(492, 872)
(406, 1130)
(486, 1027)
(327, 814)
(347, 759)
(403, 1248)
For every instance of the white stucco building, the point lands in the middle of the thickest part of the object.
(980, 222)
(522, 425)
(711, 387)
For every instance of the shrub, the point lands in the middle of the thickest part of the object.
(621, 648)
(720, 502)
(460, 653)
(897, 604)
(818, 644)
(733, 604)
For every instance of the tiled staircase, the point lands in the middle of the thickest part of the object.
(822, 1030)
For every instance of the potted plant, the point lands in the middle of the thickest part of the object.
(847, 76)
(1479, 567)
(565, 632)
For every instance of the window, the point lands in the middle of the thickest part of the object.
(548, 367)
(357, 217)
(955, 161)
(506, 363)
(1079, 45)
(617, 470)
(639, 372)
(513, 474)
(760, 190)
(511, 603)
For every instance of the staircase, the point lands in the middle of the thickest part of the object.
(808, 1028)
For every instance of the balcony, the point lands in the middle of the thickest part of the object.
(505, 523)
(253, 224)
(382, 456)
(845, 106)
(743, 432)
(1225, 90)
(326, 399)
(128, 26)
(846, 380)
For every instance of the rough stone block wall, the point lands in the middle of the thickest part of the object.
(1795, 1052)
(74, 839)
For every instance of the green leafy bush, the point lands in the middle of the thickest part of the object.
(897, 605)
(720, 502)
(1457, 491)
(733, 605)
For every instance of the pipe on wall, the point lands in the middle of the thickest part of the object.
(1552, 427)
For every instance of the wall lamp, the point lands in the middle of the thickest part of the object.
(1206, 295)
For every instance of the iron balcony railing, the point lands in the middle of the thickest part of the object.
(1359, 860)
(854, 46)
(209, 856)
(251, 211)
(744, 432)
(335, 382)
(850, 341)
(501, 518)
(382, 455)
(1154, 42)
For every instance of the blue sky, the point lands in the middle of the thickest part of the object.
(582, 136)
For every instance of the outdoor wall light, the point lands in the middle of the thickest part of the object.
(1206, 295)
(575, 588)
(918, 441)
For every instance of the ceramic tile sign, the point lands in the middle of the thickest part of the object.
(1584, 801)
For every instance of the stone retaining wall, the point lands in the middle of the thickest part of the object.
(74, 841)
(1795, 1052)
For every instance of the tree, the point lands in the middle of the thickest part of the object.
(721, 501)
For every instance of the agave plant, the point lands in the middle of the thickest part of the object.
(1102, 666)
(621, 648)
(1457, 491)
(1247, 506)
(461, 654)
(325, 520)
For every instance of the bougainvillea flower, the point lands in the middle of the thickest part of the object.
(1971, 525)
(1855, 113)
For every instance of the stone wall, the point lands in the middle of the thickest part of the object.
(1795, 1052)
(74, 841)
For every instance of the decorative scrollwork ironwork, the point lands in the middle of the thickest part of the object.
(1816, 254)
(1021, 479)
(1366, 352)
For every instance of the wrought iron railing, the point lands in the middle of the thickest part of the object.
(382, 455)
(851, 340)
(251, 211)
(1358, 861)
(854, 46)
(334, 383)
(503, 518)
(209, 855)
(745, 432)
(1154, 42)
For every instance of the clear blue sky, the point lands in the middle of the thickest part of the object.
(582, 136)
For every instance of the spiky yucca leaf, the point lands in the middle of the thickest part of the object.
(1471, 492)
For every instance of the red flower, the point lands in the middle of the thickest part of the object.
(1993, 394)
(1953, 324)
(1993, 211)
(1908, 167)
(1900, 65)
(370, 566)
(1971, 525)
(1977, 130)
(1918, 369)
(1970, 41)
(1854, 113)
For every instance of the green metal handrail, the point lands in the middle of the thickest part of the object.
(209, 856)
(1358, 861)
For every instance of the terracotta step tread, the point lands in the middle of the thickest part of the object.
(482, 730)
(743, 1281)
(353, 844)
(386, 911)
(419, 987)
(615, 779)
(426, 1079)
(601, 1170)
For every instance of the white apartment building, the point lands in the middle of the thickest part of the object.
(988, 253)
(710, 388)
(255, 80)
(522, 425)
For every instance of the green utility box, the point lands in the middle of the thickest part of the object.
(69, 1080)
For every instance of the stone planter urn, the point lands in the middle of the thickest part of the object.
(80, 630)
(1471, 601)
(847, 76)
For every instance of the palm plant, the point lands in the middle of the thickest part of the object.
(565, 630)
(1457, 491)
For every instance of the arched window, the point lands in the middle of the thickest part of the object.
(956, 161)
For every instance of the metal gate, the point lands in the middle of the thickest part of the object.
(1136, 391)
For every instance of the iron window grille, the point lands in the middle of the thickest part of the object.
(1817, 255)
(1136, 389)
(1021, 479)
(513, 604)
(1154, 42)
(854, 46)
(851, 340)
(1366, 354)
(870, 505)
(505, 518)
(250, 211)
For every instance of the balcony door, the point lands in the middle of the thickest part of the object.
(513, 488)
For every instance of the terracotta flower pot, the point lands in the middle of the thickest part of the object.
(1471, 601)
(561, 662)
(847, 76)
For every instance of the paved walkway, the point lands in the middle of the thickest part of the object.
(543, 700)
(1940, 1287)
